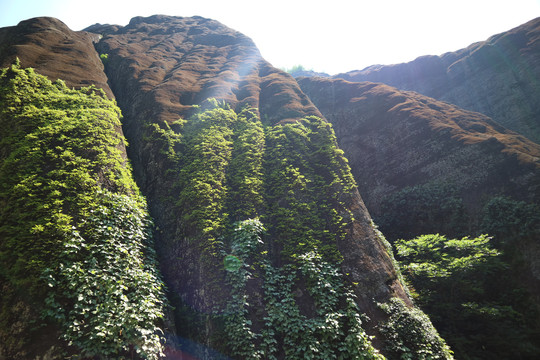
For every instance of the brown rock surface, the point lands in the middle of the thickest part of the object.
(499, 77)
(174, 63)
(397, 139)
(50, 47)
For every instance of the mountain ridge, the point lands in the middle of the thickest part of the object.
(497, 77)
(262, 236)
(192, 156)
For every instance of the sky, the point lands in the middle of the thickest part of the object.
(331, 36)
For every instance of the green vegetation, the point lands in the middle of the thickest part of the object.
(334, 331)
(73, 227)
(416, 210)
(285, 296)
(511, 221)
(104, 58)
(295, 69)
(464, 286)
(205, 155)
(410, 334)
(306, 176)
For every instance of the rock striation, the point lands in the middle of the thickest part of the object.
(180, 62)
(259, 149)
(499, 77)
(397, 139)
(54, 50)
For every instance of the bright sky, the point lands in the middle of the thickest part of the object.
(331, 36)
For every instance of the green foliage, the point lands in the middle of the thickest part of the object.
(415, 210)
(104, 58)
(462, 284)
(219, 153)
(295, 68)
(62, 161)
(164, 138)
(333, 332)
(105, 288)
(433, 257)
(205, 156)
(245, 173)
(246, 242)
(410, 334)
(306, 179)
(510, 220)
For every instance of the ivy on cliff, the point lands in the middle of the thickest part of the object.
(230, 169)
(305, 180)
(73, 228)
(410, 334)
(334, 331)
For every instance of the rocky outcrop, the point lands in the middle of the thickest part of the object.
(499, 77)
(162, 69)
(398, 141)
(177, 63)
(54, 50)
(260, 150)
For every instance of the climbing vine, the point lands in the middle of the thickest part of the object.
(74, 228)
(106, 289)
(302, 194)
(333, 331)
(410, 335)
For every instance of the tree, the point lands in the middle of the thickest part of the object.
(457, 282)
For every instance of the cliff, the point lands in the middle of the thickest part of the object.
(55, 51)
(263, 241)
(499, 77)
(400, 139)
(423, 167)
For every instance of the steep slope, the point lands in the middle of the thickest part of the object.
(425, 166)
(499, 77)
(55, 51)
(398, 139)
(161, 70)
(295, 281)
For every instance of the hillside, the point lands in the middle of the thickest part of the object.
(499, 77)
(423, 167)
(166, 192)
(263, 242)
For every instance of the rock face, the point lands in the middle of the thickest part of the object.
(398, 140)
(424, 166)
(180, 62)
(160, 68)
(499, 77)
(54, 50)
(260, 150)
